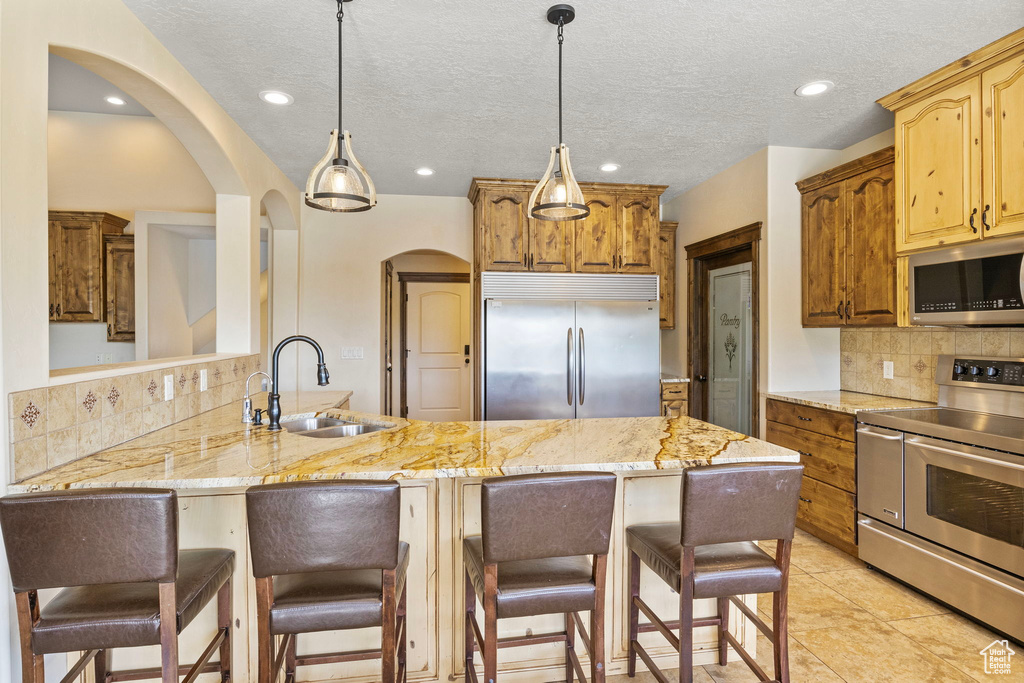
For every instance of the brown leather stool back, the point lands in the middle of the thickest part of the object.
(533, 516)
(99, 536)
(729, 503)
(323, 526)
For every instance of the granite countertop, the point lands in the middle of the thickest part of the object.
(850, 402)
(669, 378)
(215, 450)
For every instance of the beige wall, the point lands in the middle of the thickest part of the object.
(121, 164)
(340, 279)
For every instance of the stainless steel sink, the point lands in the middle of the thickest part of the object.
(330, 427)
(306, 424)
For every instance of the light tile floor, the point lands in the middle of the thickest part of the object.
(849, 623)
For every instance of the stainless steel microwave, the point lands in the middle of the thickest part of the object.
(972, 284)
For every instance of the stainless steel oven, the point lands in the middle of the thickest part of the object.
(974, 284)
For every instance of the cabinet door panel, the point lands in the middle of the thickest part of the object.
(667, 271)
(1003, 104)
(551, 246)
(596, 237)
(120, 267)
(938, 168)
(870, 248)
(79, 282)
(824, 218)
(505, 231)
(638, 234)
(54, 268)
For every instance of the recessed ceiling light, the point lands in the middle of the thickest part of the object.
(814, 88)
(425, 171)
(608, 168)
(114, 99)
(276, 97)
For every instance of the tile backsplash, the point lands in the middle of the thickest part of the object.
(912, 352)
(57, 424)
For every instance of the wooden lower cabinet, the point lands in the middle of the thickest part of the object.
(674, 399)
(826, 441)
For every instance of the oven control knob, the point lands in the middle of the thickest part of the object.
(959, 369)
(992, 371)
(976, 370)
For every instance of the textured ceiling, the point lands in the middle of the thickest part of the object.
(75, 88)
(672, 90)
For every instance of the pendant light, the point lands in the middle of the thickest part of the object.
(557, 196)
(338, 184)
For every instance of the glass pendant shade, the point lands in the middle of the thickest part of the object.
(340, 185)
(558, 196)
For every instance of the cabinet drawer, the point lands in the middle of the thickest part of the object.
(674, 391)
(824, 458)
(827, 422)
(828, 513)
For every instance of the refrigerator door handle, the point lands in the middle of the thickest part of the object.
(569, 370)
(583, 368)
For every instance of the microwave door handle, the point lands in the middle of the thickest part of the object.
(970, 456)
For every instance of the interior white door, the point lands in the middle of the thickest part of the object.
(730, 348)
(438, 363)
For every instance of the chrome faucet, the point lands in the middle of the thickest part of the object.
(247, 402)
(322, 377)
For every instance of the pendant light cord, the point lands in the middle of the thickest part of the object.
(560, 82)
(341, 16)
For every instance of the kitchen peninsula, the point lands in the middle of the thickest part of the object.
(210, 460)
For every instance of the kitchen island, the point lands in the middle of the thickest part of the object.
(210, 460)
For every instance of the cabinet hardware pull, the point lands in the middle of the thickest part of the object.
(805, 419)
(805, 453)
(58, 310)
(109, 333)
(806, 500)
(971, 220)
(51, 310)
(984, 213)
(848, 310)
(839, 310)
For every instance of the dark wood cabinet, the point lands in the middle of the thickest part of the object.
(667, 271)
(76, 264)
(848, 244)
(120, 286)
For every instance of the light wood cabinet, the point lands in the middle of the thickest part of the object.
(667, 271)
(674, 399)
(960, 149)
(550, 246)
(848, 250)
(825, 440)
(505, 237)
(638, 234)
(597, 243)
(120, 286)
(76, 264)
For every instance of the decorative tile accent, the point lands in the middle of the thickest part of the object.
(151, 389)
(235, 369)
(847, 360)
(216, 373)
(30, 414)
(114, 396)
(90, 401)
(181, 381)
(195, 379)
(920, 366)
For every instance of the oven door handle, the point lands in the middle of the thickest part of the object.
(963, 454)
(870, 431)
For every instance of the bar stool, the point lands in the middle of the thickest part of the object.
(114, 553)
(712, 553)
(326, 557)
(530, 559)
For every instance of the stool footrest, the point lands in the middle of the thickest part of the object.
(661, 626)
(574, 658)
(336, 657)
(651, 666)
(80, 666)
(584, 636)
(749, 614)
(745, 656)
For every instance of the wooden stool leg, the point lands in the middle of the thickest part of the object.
(28, 615)
(686, 617)
(224, 619)
(597, 620)
(780, 614)
(723, 644)
(468, 635)
(634, 611)
(570, 644)
(404, 616)
(289, 656)
(100, 666)
(168, 633)
(389, 618)
(490, 648)
(264, 642)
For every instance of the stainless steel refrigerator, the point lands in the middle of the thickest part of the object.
(565, 345)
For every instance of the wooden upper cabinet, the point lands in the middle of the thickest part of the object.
(120, 285)
(551, 248)
(77, 264)
(667, 271)
(1003, 148)
(870, 248)
(938, 168)
(505, 231)
(638, 234)
(823, 247)
(597, 244)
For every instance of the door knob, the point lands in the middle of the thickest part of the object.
(702, 378)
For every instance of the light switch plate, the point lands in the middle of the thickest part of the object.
(202, 380)
(887, 369)
(351, 353)
(168, 387)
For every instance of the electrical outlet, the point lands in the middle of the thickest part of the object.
(202, 380)
(99, 358)
(108, 358)
(168, 387)
(887, 369)
(351, 353)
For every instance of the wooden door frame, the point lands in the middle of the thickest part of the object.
(403, 323)
(698, 255)
(387, 350)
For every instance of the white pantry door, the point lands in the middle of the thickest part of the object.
(438, 371)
